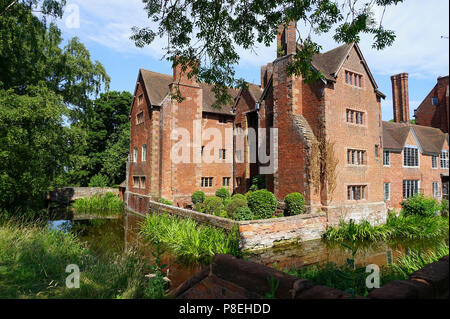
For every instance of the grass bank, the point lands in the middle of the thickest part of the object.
(102, 205)
(413, 227)
(33, 261)
(352, 279)
(188, 239)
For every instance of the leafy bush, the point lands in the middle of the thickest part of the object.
(262, 203)
(258, 182)
(239, 196)
(165, 201)
(243, 213)
(103, 205)
(420, 205)
(295, 203)
(213, 205)
(99, 180)
(198, 197)
(444, 208)
(223, 193)
(234, 204)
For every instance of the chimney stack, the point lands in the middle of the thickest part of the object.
(400, 97)
(180, 75)
(287, 39)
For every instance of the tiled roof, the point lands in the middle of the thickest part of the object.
(395, 134)
(157, 87)
(329, 62)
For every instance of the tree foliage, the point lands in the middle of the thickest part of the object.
(212, 31)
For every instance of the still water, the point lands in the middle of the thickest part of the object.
(115, 235)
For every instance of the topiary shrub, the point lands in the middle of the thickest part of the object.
(420, 205)
(239, 196)
(234, 204)
(99, 180)
(243, 213)
(213, 205)
(198, 197)
(295, 204)
(165, 201)
(223, 193)
(262, 203)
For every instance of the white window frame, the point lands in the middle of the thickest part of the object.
(387, 191)
(434, 160)
(404, 154)
(403, 187)
(144, 153)
(436, 192)
(388, 157)
(135, 154)
(444, 160)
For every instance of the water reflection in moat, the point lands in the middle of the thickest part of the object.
(117, 235)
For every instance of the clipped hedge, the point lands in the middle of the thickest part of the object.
(223, 193)
(295, 204)
(213, 206)
(243, 213)
(198, 197)
(234, 204)
(239, 196)
(262, 203)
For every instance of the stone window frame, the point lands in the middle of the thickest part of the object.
(386, 159)
(387, 191)
(363, 192)
(142, 182)
(417, 151)
(140, 118)
(137, 181)
(350, 76)
(206, 182)
(355, 157)
(226, 181)
(354, 111)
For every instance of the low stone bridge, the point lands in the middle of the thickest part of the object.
(69, 194)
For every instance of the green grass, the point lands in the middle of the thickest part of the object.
(402, 227)
(101, 205)
(353, 279)
(187, 239)
(33, 260)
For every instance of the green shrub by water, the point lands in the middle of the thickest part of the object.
(189, 240)
(103, 205)
(243, 213)
(33, 261)
(420, 205)
(99, 180)
(213, 206)
(402, 227)
(295, 204)
(262, 203)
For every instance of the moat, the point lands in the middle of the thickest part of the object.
(106, 236)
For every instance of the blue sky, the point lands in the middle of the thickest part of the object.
(105, 28)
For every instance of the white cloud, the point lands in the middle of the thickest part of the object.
(418, 49)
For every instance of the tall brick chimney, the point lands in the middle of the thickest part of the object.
(181, 76)
(400, 97)
(287, 39)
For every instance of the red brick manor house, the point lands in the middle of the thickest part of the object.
(371, 165)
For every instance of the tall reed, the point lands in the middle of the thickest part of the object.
(102, 205)
(189, 240)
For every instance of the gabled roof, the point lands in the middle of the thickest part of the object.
(431, 140)
(330, 62)
(156, 85)
(255, 92)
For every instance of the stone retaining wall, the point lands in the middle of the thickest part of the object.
(231, 278)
